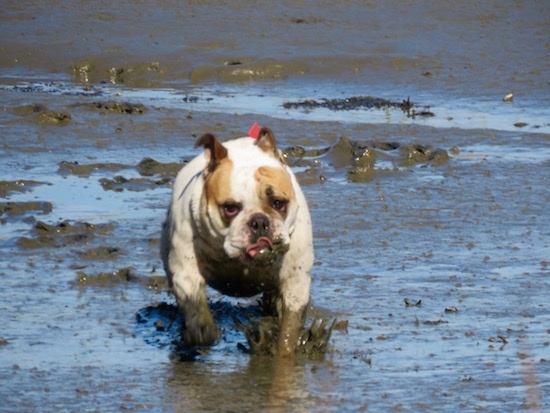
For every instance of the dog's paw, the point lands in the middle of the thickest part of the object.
(201, 335)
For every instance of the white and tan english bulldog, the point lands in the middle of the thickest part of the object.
(238, 222)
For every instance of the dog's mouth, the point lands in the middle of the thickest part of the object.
(262, 245)
(265, 252)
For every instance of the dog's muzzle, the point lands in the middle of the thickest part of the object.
(260, 239)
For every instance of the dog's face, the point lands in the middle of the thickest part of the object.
(248, 201)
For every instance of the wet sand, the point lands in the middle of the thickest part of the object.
(431, 232)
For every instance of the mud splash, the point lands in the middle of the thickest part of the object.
(162, 325)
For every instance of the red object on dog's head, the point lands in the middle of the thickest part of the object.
(254, 131)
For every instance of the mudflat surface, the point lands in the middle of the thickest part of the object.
(428, 192)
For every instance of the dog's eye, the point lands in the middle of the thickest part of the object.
(279, 204)
(230, 210)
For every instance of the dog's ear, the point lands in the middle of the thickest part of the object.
(266, 142)
(214, 151)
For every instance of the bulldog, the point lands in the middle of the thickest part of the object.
(238, 222)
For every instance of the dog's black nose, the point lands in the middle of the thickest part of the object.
(259, 224)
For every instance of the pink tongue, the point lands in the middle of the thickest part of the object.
(260, 244)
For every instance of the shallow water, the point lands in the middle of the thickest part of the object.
(438, 265)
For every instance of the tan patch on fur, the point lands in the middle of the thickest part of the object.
(273, 183)
(218, 185)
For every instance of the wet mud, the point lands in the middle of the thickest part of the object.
(150, 167)
(125, 108)
(21, 185)
(364, 160)
(430, 222)
(147, 167)
(115, 278)
(63, 234)
(22, 208)
(42, 115)
(120, 183)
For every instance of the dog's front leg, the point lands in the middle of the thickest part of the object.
(190, 291)
(200, 328)
(189, 287)
(294, 299)
(289, 331)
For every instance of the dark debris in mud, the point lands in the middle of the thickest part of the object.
(412, 109)
(123, 108)
(413, 303)
(302, 20)
(56, 88)
(195, 99)
(100, 253)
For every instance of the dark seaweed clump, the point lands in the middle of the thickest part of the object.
(56, 88)
(362, 102)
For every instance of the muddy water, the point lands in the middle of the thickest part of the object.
(431, 232)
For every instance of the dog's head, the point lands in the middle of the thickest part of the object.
(248, 201)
